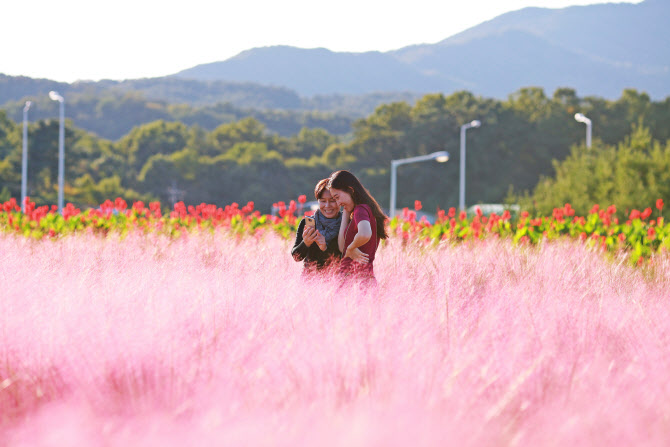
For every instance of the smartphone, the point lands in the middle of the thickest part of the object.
(309, 221)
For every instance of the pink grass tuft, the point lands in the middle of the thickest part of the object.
(206, 340)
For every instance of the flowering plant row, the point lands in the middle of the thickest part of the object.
(118, 217)
(642, 233)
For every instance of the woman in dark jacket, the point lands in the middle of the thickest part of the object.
(317, 246)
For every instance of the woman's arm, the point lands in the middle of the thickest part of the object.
(300, 250)
(343, 229)
(362, 236)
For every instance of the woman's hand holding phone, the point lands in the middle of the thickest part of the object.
(320, 241)
(309, 235)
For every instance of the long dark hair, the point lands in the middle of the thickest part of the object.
(346, 181)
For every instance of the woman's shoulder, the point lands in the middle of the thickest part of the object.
(363, 210)
(364, 206)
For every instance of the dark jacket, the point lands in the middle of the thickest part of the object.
(312, 256)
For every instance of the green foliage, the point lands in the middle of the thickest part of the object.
(113, 114)
(247, 130)
(8, 134)
(86, 191)
(151, 139)
(310, 143)
(632, 175)
(522, 142)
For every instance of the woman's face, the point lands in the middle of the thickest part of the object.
(328, 205)
(343, 199)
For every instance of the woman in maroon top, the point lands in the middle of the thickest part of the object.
(363, 226)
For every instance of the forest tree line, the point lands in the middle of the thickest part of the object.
(114, 116)
(524, 140)
(110, 109)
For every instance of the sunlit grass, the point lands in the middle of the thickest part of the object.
(205, 340)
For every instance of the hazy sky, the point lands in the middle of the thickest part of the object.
(67, 40)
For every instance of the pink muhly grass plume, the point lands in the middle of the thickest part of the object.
(209, 340)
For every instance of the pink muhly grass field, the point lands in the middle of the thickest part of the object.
(207, 340)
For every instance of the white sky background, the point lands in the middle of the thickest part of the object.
(68, 40)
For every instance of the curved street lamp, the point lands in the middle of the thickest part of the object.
(583, 119)
(24, 158)
(61, 147)
(461, 190)
(440, 157)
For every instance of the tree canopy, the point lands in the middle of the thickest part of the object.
(529, 142)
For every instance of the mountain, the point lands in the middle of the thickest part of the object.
(317, 71)
(619, 33)
(596, 49)
(488, 67)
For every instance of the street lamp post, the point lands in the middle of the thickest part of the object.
(461, 190)
(583, 119)
(61, 147)
(440, 157)
(24, 158)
